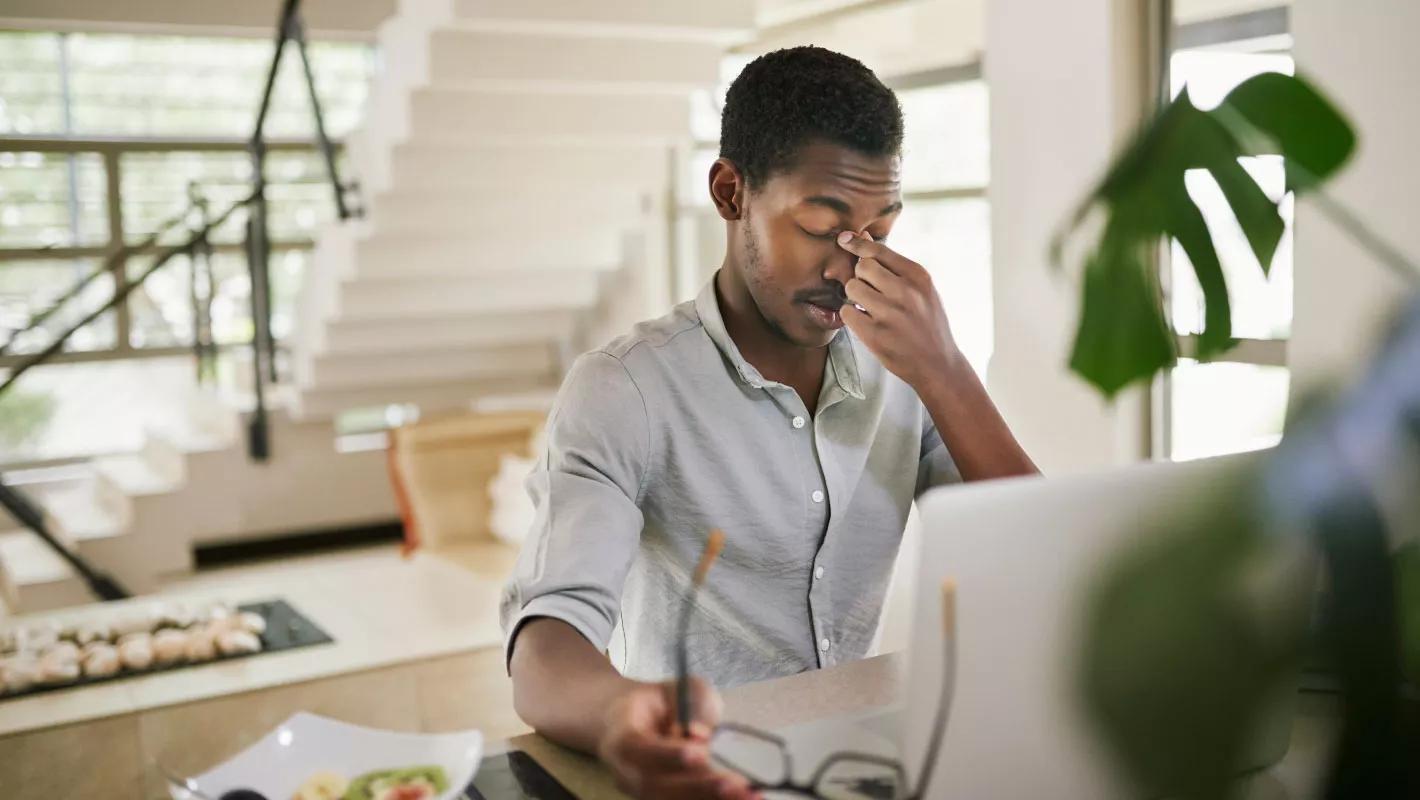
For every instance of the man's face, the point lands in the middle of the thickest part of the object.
(793, 266)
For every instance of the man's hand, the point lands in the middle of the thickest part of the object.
(902, 320)
(903, 323)
(652, 758)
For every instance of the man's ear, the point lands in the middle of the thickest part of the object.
(727, 189)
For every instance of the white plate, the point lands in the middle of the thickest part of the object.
(305, 744)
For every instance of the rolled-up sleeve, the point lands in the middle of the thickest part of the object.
(586, 489)
(936, 466)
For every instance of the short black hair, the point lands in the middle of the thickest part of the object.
(788, 98)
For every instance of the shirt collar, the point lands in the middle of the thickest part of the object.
(840, 350)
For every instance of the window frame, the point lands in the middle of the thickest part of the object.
(1264, 30)
(111, 150)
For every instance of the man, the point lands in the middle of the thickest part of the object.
(750, 410)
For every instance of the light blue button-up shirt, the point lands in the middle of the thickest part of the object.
(667, 433)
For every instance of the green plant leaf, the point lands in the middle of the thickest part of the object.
(1122, 329)
(1194, 139)
(1122, 335)
(1186, 224)
(1309, 133)
(1256, 213)
(1149, 159)
(1407, 584)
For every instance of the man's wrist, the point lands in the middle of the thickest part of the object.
(944, 376)
(613, 698)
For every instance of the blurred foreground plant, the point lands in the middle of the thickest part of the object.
(1189, 641)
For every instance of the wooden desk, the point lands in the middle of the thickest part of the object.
(874, 683)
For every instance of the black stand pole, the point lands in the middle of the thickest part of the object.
(102, 585)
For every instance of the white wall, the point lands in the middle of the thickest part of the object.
(1066, 82)
(1364, 56)
(895, 38)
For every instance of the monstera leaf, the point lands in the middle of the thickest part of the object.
(1123, 335)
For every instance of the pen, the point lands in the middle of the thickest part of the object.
(713, 545)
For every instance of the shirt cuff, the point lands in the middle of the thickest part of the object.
(580, 615)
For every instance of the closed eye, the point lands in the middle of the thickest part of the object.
(831, 235)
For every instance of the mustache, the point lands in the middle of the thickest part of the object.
(831, 295)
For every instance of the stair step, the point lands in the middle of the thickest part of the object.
(492, 212)
(375, 369)
(405, 254)
(464, 58)
(29, 560)
(430, 397)
(85, 513)
(150, 472)
(465, 165)
(447, 331)
(722, 21)
(422, 53)
(76, 503)
(438, 116)
(35, 578)
(417, 296)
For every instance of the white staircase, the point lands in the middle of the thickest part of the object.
(515, 160)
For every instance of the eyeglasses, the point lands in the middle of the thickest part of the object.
(764, 758)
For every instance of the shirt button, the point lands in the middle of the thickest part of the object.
(817, 496)
(823, 644)
(818, 573)
(798, 422)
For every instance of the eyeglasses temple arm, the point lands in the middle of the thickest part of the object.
(682, 666)
(944, 699)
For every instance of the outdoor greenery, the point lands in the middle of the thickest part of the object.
(23, 416)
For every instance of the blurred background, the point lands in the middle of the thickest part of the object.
(111, 111)
(361, 352)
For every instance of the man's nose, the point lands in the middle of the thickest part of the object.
(841, 265)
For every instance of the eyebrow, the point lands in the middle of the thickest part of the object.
(842, 207)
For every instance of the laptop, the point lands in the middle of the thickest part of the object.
(1024, 554)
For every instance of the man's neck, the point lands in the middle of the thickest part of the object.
(765, 348)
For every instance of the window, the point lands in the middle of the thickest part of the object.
(144, 85)
(1239, 403)
(1226, 407)
(155, 101)
(946, 221)
(945, 224)
(90, 120)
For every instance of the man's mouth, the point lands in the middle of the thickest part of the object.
(824, 311)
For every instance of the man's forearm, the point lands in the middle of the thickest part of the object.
(561, 685)
(973, 430)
